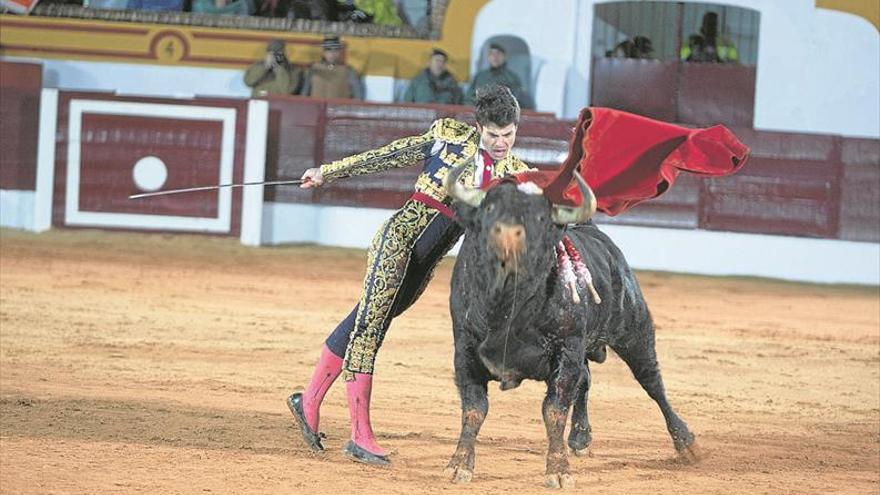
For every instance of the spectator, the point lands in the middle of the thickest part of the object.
(638, 47)
(708, 46)
(380, 11)
(274, 74)
(308, 9)
(224, 7)
(435, 84)
(328, 78)
(346, 11)
(156, 5)
(107, 4)
(696, 50)
(498, 73)
(273, 8)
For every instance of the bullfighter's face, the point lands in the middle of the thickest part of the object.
(497, 140)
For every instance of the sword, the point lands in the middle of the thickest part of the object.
(211, 188)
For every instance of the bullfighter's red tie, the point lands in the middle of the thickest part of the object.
(487, 167)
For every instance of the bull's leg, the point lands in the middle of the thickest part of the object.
(560, 392)
(642, 361)
(580, 438)
(474, 407)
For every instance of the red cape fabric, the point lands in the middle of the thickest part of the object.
(627, 158)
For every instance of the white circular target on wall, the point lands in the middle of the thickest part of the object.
(149, 173)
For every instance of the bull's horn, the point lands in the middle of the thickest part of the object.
(563, 215)
(458, 192)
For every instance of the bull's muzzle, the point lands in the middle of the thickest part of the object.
(508, 241)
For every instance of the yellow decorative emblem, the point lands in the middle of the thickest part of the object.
(169, 46)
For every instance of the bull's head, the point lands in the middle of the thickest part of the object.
(517, 224)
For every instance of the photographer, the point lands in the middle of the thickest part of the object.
(274, 74)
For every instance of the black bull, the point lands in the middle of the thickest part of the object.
(513, 319)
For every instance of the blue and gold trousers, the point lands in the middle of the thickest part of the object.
(400, 262)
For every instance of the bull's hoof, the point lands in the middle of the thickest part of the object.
(690, 454)
(579, 440)
(559, 480)
(682, 438)
(459, 474)
(585, 452)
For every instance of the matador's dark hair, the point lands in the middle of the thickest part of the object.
(496, 105)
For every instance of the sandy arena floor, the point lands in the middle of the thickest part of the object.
(156, 363)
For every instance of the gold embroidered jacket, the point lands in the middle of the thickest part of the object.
(447, 144)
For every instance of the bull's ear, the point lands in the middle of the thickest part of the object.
(465, 214)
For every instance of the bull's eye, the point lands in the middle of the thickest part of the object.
(539, 217)
(490, 207)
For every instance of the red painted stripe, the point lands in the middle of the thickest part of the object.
(74, 27)
(77, 51)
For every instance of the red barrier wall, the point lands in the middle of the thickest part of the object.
(794, 184)
(112, 140)
(20, 86)
(689, 93)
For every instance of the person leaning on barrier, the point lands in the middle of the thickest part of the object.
(274, 74)
(434, 84)
(404, 252)
(329, 77)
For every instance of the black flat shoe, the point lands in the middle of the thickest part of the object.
(312, 438)
(358, 454)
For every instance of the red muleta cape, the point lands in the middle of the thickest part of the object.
(627, 158)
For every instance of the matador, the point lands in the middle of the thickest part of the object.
(404, 252)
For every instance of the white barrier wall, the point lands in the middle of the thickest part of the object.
(146, 80)
(164, 81)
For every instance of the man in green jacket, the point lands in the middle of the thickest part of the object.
(498, 73)
(274, 74)
(435, 84)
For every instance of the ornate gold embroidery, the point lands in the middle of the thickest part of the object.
(452, 131)
(387, 262)
(390, 251)
(400, 153)
(510, 165)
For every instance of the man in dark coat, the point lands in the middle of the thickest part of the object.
(498, 73)
(435, 84)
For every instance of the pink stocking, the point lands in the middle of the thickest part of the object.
(358, 391)
(326, 371)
